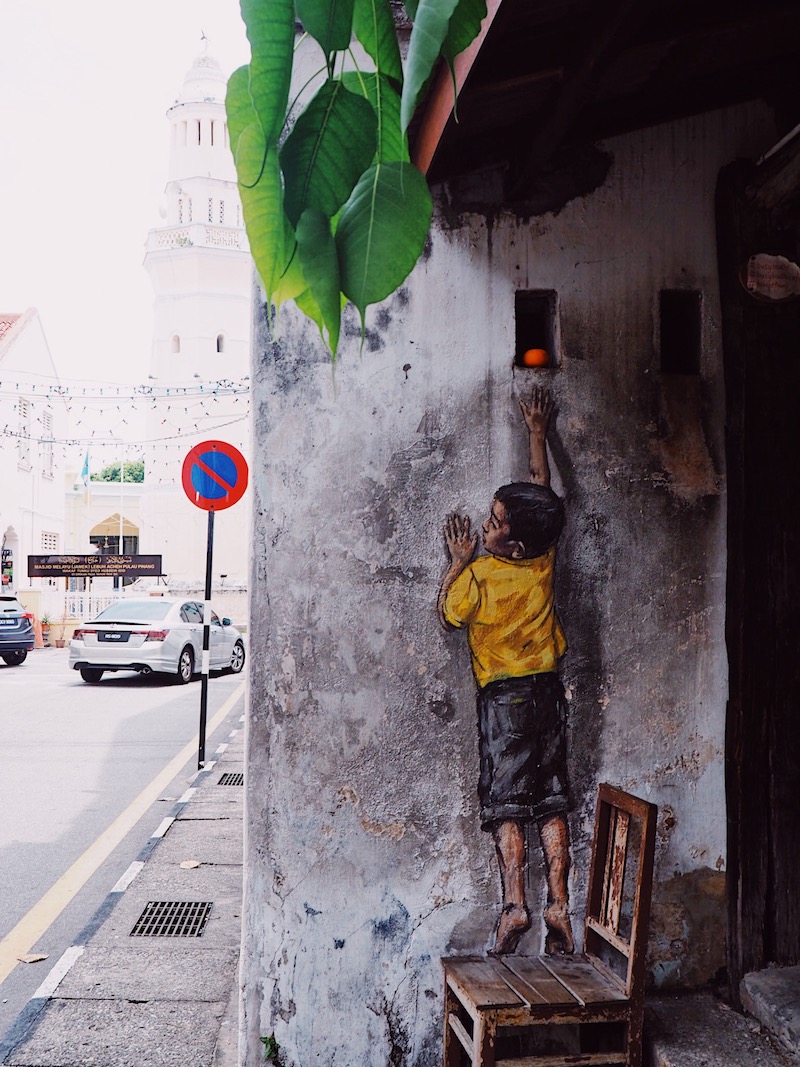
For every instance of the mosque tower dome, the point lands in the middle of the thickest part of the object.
(204, 81)
(199, 143)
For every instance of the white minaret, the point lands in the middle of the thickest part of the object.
(200, 268)
(198, 261)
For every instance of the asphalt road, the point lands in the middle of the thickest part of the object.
(72, 759)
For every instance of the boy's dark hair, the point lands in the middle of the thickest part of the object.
(535, 515)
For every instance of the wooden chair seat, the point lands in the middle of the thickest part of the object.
(489, 999)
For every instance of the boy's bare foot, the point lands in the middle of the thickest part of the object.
(514, 921)
(559, 938)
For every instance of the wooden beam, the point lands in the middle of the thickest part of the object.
(578, 1059)
(441, 100)
(611, 33)
(776, 185)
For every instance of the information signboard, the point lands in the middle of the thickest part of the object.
(93, 566)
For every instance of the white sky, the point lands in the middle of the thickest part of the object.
(84, 87)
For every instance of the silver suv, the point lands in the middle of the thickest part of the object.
(16, 630)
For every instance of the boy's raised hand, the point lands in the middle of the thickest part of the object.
(461, 543)
(538, 410)
(537, 414)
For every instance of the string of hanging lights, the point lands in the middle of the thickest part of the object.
(73, 442)
(14, 387)
(103, 416)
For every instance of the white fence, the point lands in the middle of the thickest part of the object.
(87, 605)
(60, 606)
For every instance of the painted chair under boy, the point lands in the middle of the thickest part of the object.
(512, 1011)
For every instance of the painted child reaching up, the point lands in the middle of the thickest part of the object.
(505, 601)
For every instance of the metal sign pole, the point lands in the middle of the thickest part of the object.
(201, 752)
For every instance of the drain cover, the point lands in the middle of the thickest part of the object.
(231, 778)
(172, 918)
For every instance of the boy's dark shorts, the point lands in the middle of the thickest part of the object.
(522, 725)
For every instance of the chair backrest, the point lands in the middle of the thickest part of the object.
(620, 885)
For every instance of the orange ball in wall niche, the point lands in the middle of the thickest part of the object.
(535, 357)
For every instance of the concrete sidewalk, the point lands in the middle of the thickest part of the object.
(117, 1000)
(699, 1030)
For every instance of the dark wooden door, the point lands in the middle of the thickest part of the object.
(757, 212)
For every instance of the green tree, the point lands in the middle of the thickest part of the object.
(334, 209)
(134, 472)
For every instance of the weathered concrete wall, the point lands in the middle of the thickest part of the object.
(365, 860)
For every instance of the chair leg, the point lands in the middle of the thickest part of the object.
(633, 1039)
(452, 1046)
(483, 1051)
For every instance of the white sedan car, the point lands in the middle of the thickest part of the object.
(150, 634)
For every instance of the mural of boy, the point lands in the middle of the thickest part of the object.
(505, 601)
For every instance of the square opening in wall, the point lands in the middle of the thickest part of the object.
(536, 328)
(680, 331)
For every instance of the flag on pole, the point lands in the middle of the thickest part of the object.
(85, 470)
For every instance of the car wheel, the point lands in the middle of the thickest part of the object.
(13, 659)
(91, 674)
(237, 658)
(185, 670)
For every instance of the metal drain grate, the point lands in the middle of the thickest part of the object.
(172, 918)
(232, 778)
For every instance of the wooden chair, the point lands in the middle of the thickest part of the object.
(497, 1008)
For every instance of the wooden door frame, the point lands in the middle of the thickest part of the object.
(756, 211)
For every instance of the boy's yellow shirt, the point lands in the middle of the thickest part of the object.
(508, 608)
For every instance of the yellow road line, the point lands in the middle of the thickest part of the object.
(32, 926)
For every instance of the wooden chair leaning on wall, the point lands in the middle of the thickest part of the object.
(489, 1000)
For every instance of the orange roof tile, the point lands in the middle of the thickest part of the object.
(6, 323)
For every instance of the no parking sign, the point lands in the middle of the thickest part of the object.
(214, 475)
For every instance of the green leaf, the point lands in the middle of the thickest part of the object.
(331, 144)
(373, 24)
(292, 282)
(392, 143)
(262, 205)
(382, 231)
(321, 268)
(270, 31)
(310, 308)
(246, 136)
(464, 27)
(411, 8)
(330, 22)
(427, 36)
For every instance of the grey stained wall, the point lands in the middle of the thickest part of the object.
(365, 862)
